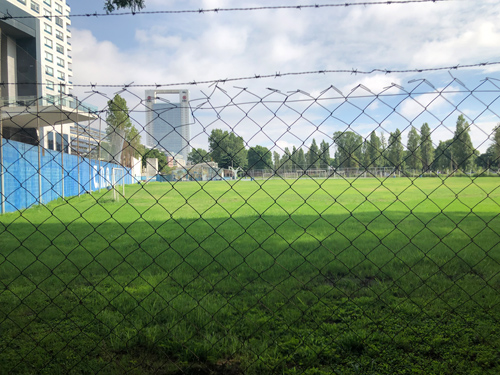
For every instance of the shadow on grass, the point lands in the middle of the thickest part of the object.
(251, 293)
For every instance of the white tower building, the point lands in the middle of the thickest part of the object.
(168, 123)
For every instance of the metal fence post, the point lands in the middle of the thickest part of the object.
(78, 160)
(89, 157)
(2, 184)
(99, 157)
(62, 140)
(39, 151)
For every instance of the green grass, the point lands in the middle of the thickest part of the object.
(296, 277)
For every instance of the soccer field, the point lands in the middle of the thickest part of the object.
(256, 277)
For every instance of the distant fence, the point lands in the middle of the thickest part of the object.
(21, 180)
(384, 172)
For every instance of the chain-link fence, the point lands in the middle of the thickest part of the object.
(252, 232)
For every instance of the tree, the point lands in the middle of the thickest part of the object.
(301, 160)
(374, 150)
(414, 152)
(259, 157)
(276, 160)
(348, 149)
(313, 156)
(134, 5)
(120, 129)
(198, 155)
(442, 156)
(487, 159)
(227, 149)
(383, 161)
(496, 144)
(395, 150)
(295, 155)
(324, 162)
(365, 155)
(427, 149)
(162, 160)
(462, 148)
(286, 160)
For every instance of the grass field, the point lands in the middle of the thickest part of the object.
(296, 277)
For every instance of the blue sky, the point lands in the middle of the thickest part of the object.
(149, 49)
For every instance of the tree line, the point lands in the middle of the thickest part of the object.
(351, 150)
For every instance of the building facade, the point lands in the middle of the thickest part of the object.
(86, 141)
(36, 71)
(168, 123)
(53, 43)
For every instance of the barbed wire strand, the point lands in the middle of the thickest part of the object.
(245, 9)
(276, 75)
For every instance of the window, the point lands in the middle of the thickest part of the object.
(35, 6)
(49, 71)
(66, 143)
(22, 1)
(60, 62)
(61, 75)
(49, 57)
(60, 88)
(59, 35)
(48, 2)
(48, 28)
(47, 14)
(48, 42)
(59, 8)
(59, 48)
(50, 139)
(59, 21)
(50, 98)
(50, 85)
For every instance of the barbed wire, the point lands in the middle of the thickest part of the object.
(243, 9)
(275, 75)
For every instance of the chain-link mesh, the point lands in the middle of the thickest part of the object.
(252, 232)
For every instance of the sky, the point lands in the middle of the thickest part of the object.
(179, 48)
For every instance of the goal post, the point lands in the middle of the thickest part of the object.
(315, 173)
(118, 183)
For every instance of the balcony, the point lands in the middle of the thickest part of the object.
(23, 112)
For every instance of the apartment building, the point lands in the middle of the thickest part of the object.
(36, 69)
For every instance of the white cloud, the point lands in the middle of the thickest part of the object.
(433, 102)
(194, 47)
(482, 37)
